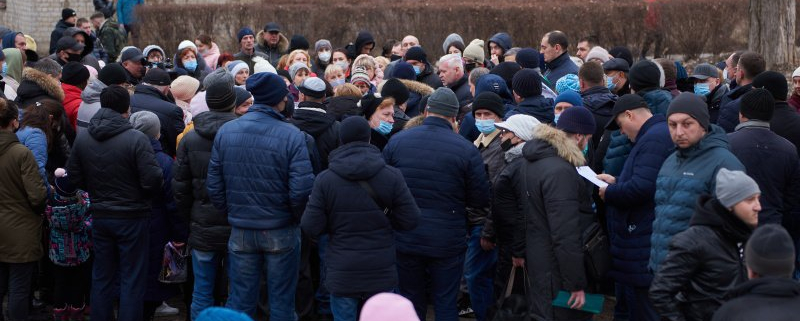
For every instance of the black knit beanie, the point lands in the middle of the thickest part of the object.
(758, 104)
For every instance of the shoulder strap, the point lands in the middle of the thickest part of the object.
(365, 185)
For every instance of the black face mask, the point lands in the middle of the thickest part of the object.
(506, 145)
(395, 57)
(468, 67)
(74, 57)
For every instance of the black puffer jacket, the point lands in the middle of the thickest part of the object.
(771, 298)
(361, 256)
(116, 165)
(557, 210)
(311, 118)
(209, 227)
(703, 264)
(169, 115)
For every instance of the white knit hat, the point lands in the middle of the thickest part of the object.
(796, 72)
(598, 53)
(521, 125)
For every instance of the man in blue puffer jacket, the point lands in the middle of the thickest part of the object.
(448, 179)
(260, 174)
(629, 200)
(701, 150)
(646, 80)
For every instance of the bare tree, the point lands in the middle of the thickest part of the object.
(772, 32)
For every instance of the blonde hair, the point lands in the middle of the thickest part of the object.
(383, 61)
(331, 69)
(364, 60)
(293, 54)
(347, 90)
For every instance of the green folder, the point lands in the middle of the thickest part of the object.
(594, 302)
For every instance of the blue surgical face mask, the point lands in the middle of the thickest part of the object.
(5, 68)
(337, 83)
(485, 126)
(417, 71)
(610, 83)
(190, 65)
(384, 128)
(702, 89)
(555, 120)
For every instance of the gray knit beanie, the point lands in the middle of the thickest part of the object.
(734, 187)
(146, 122)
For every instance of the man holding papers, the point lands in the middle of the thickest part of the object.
(629, 200)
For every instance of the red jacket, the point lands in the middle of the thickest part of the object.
(72, 100)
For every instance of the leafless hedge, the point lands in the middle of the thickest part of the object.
(692, 26)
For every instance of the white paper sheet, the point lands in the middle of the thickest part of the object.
(589, 174)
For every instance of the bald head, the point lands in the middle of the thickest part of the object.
(408, 42)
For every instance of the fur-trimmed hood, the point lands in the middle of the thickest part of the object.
(283, 43)
(36, 84)
(418, 87)
(548, 142)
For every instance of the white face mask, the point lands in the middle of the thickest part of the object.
(325, 56)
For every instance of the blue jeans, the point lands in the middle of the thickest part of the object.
(637, 300)
(442, 276)
(273, 254)
(344, 308)
(120, 246)
(479, 269)
(206, 267)
(323, 296)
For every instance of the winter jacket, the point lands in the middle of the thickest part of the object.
(360, 255)
(772, 162)
(557, 209)
(312, 119)
(34, 139)
(248, 59)
(36, 86)
(494, 161)
(714, 101)
(507, 207)
(107, 7)
(614, 150)
(164, 227)
(58, 32)
(209, 226)
(112, 39)
(686, 174)
(70, 224)
(125, 11)
(503, 40)
(170, 115)
(72, 101)
(600, 101)
(262, 184)
(559, 67)
(430, 77)
(417, 90)
(765, 298)
(729, 110)
(90, 104)
(211, 57)
(444, 183)
(461, 89)
(786, 123)
(272, 54)
(22, 196)
(538, 106)
(630, 206)
(116, 165)
(704, 263)
(341, 106)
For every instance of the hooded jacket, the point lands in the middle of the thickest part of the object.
(557, 209)
(417, 90)
(600, 101)
(116, 165)
(503, 40)
(209, 226)
(559, 67)
(273, 54)
(36, 85)
(72, 101)
(686, 174)
(311, 118)
(169, 115)
(90, 104)
(58, 32)
(450, 178)
(211, 57)
(538, 106)
(771, 161)
(86, 56)
(729, 108)
(262, 184)
(630, 206)
(360, 258)
(765, 298)
(703, 264)
(429, 77)
(23, 199)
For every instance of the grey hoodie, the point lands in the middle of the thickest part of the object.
(90, 103)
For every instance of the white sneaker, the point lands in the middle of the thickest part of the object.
(165, 310)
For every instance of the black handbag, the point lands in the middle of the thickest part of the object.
(596, 254)
(514, 306)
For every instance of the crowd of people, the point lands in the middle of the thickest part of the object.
(361, 182)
